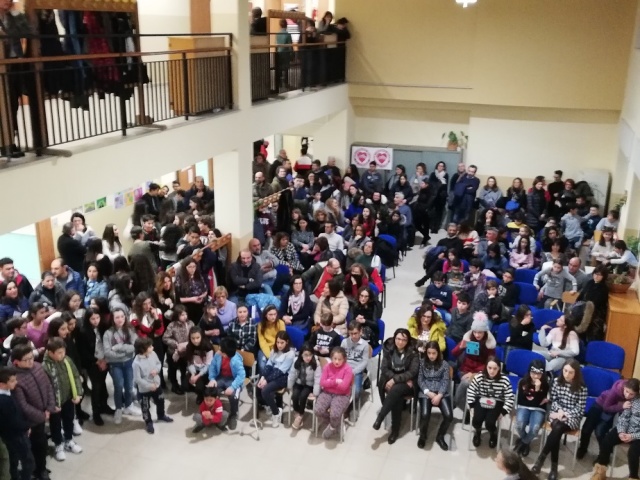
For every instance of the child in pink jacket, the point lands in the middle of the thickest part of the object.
(335, 396)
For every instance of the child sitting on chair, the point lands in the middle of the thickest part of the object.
(335, 396)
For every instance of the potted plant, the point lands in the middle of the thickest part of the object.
(619, 283)
(455, 140)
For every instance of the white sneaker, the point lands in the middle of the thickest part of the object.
(117, 416)
(275, 419)
(77, 429)
(72, 447)
(60, 455)
(132, 410)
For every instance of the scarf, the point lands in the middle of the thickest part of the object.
(296, 302)
(440, 176)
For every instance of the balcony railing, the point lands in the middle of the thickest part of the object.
(278, 68)
(51, 101)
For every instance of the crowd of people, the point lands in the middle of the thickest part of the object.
(303, 299)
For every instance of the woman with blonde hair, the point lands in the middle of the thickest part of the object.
(227, 310)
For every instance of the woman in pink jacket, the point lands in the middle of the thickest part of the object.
(335, 396)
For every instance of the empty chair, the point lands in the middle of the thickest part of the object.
(528, 293)
(598, 380)
(518, 361)
(525, 275)
(544, 316)
(605, 355)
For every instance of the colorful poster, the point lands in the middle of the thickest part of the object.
(101, 202)
(363, 156)
(128, 198)
(138, 193)
(89, 207)
(118, 200)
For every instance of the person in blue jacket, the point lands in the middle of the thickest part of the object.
(227, 373)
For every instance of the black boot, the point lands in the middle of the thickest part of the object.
(421, 282)
(582, 451)
(477, 439)
(537, 467)
(442, 443)
(493, 439)
(442, 430)
(393, 436)
(424, 427)
(553, 474)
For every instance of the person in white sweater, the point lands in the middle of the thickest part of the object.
(603, 249)
(336, 242)
(562, 343)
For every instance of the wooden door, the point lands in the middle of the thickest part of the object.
(186, 177)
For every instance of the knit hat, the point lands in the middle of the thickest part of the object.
(348, 181)
(480, 322)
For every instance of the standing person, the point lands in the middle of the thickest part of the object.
(67, 388)
(602, 413)
(149, 323)
(434, 380)
(9, 273)
(119, 351)
(439, 180)
(14, 429)
(284, 53)
(372, 180)
(34, 394)
(398, 373)
(536, 210)
(147, 372)
(490, 396)
(489, 195)
(626, 431)
(464, 194)
(422, 209)
(176, 338)
(191, 288)
(568, 402)
(71, 250)
(532, 399)
(335, 394)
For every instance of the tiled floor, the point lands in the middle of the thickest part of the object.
(127, 452)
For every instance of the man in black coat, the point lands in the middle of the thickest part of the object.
(198, 189)
(245, 276)
(152, 200)
(70, 249)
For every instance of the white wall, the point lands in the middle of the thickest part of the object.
(146, 154)
(162, 17)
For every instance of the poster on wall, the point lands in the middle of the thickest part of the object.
(118, 200)
(89, 207)
(362, 156)
(101, 202)
(128, 198)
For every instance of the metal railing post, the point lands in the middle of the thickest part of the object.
(185, 83)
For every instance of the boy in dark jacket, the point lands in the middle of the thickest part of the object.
(461, 318)
(439, 293)
(14, 429)
(325, 338)
(34, 395)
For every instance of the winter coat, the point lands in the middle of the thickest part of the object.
(53, 297)
(475, 363)
(437, 331)
(410, 362)
(34, 394)
(338, 306)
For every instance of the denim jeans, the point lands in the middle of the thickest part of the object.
(122, 375)
(358, 379)
(262, 361)
(532, 418)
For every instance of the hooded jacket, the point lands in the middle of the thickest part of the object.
(475, 363)
(34, 394)
(53, 296)
(143, 366)
(244, 279)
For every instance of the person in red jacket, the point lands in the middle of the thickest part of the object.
(477, 344)
(211, 411)
(335, 396)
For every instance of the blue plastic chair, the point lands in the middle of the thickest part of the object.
(465, 265)
(495, 279)
(515, 380)
(605, 355)
(503, 333)
(525, 275)
(451, 344)
(545, 315)
(528, 294)
(377, 352)
(394, 244)
(297, 337)
(383, 276)
(518, 361)
(598, 380)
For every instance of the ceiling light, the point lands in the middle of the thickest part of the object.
(465, 3)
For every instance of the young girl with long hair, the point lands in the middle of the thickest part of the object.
(274, 376)
(603, 249)
(191, 287)
(433, 383)
(521, 255)
(176, 338)
(335, 392)
(268, 329)
(111, 245)
(562, 343)
(198, 356)
(532, 399)
(521, 329)
(164, 295)
(367, 311)
(211, 325)
(36, 328)
(568, 402)
(303, 383)
(148, 323)
(119, 352)
(490, 396)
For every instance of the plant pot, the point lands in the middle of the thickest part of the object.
(452, 146)
(619, 287)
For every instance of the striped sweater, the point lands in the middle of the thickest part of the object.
(573, 404)
(629, 420)
(498, 389)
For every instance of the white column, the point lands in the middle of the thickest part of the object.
(231, 16)
(234, 206)
(334, 138)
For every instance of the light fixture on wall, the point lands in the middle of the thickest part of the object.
(465, 3)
